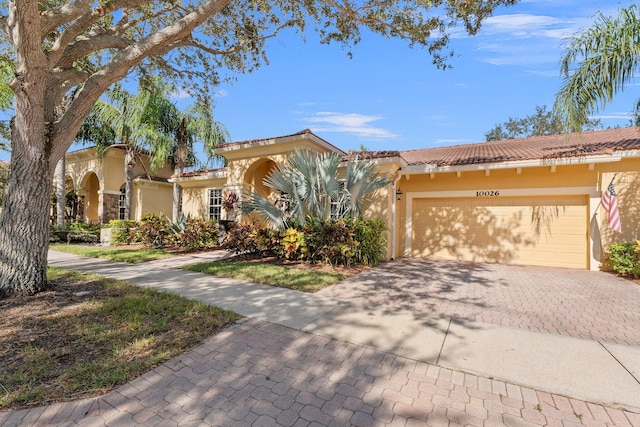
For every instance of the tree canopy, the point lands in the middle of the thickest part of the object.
(597, 64)
(540, 123)
(67, 53)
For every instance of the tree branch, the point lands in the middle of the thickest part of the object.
(84, 21)
(155, 44)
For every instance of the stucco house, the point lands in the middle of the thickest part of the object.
(98, 183)
(534, 201)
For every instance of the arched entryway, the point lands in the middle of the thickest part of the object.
(89, 199)
(254, 177)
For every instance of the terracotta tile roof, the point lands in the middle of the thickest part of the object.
(537, 148)
(150, 178)
(362, 155)
(199, 173)
(257, 141)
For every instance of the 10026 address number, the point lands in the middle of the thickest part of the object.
(488, 193)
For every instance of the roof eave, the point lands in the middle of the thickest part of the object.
(433, 168)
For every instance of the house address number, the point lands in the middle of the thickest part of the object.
(488, 193)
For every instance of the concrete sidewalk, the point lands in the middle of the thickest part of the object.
(592, 371)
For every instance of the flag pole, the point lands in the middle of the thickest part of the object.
(600, 203)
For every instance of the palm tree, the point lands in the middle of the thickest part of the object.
(311, 186)
(185, 128)
(127, 121)
(607, 57)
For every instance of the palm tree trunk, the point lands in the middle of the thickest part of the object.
(177, 194)
(129, 164)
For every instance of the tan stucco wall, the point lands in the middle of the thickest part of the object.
(151, 198)
(195, 195)
(579, 179)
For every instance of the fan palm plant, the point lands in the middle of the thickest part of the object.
(310, 185)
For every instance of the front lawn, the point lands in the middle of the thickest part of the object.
(89, 335)
(132, 255)
(300, 279)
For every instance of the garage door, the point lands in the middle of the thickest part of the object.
(549, 231)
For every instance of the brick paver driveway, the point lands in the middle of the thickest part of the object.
(261, 375)
(580, 303)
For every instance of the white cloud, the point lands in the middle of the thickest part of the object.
(613, 116)
(351, 123)
(180, 94)
(527, 25)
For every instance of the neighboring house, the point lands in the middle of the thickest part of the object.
(534, 201)
(98, 183)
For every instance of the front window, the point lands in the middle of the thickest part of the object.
(215, 204)
(121, 203)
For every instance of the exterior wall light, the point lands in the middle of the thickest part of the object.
(398, 194)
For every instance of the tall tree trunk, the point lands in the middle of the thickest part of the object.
(129, 164)
(61, 181)
(24, 220)
(180, 158)
(177, 194)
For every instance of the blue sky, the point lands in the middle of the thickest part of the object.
(390, 97)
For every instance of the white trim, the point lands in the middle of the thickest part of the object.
(591, 192)
(109, 192)
(433, 168)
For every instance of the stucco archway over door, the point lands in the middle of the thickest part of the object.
(536, 230)
(255, 175)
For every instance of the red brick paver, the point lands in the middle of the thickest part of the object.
(262, 374)
(579, 303)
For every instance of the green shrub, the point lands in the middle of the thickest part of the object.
(197, 234)
(372, 241)
(330, 241)
(344, 241)
(121, 231)
(242, 238)
(80, 227)
(152, 231)
(623, 259)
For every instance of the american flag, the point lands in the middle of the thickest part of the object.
(610, 204)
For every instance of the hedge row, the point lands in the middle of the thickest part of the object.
(332, 241)
(190, 234)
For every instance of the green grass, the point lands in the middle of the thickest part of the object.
(89, 335)
(133, 256)
(269, 274)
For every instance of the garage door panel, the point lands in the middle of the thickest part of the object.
(520, 230)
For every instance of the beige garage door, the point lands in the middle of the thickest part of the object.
(549, 231)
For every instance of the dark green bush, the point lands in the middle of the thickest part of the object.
(623, 259)
(197, 234)
(242, 238)
(371, 236)
(344, 241)
(81, 227)
(152, 231)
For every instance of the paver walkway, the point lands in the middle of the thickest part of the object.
(260, 373)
